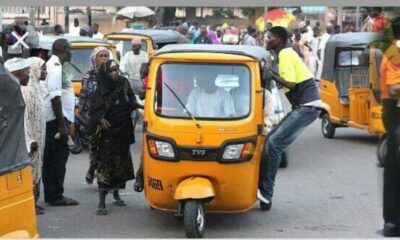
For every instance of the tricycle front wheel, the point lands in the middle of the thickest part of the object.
(194, 219)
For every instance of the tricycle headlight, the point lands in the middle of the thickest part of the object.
(161, 150)
(238, 152)
(232, 151)
(165, 149)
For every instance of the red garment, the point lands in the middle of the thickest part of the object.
(145, 81)
(379, 25)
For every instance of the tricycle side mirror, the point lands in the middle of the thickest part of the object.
(144, 70)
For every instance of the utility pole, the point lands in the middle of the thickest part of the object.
(358, 18)
(266, 15)
(66, 19)
(89, 15)
(1, 19)
(340, 17)
(32, 16)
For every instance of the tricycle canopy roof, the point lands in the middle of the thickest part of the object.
(344, 40)
(46, 42)
(157, 35)
(254, 52)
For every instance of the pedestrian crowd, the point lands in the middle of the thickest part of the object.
(107, 101)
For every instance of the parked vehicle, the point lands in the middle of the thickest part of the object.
(17, 204)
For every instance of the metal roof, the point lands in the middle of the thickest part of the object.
(344, 40)
(255, 52)
(157, 35)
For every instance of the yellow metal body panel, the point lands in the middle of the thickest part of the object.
(17, 206)
(194, 188)
(234, 184)
(330, 95)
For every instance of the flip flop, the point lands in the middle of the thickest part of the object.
(119, 202)
(138, 187)
(101, 211)
(39, 211)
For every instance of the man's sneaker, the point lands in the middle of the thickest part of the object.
(265, 202)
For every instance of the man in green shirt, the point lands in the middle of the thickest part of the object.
(302, 92)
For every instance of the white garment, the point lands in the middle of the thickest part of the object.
(309, 57)
(210, 105)
(131, 63)
(321, 48)
(98, 35)
(57, 85)
(74, 31)
(313, 57)
(35, 124)
(251, 41)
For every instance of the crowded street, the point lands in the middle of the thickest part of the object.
(332, 188)
(169, 122)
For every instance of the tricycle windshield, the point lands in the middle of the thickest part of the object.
(203, 90)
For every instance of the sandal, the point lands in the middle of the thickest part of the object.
(138, 186)
(101, 211)
(89, 178)
(119, 202)
(39, 210)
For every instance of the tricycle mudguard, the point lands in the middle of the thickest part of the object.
(194, 188)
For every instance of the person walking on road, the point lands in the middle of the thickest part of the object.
(112, 133)
(89, 83)
(390, 86)
(59, 100)
(302, 93)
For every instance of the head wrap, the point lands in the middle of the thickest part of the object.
(96, 51)
(16, 64)
(104, 81)
(36, 68)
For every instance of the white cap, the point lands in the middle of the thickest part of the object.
(302, 24)
(16, 64)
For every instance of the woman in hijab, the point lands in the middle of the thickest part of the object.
(35, 123)
(89, 84)
(112, 132)
(190, 37)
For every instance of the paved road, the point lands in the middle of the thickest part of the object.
(332, 188)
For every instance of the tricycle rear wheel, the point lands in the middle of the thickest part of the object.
(382, 150)
(194, 219)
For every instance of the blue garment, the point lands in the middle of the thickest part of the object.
(303, 92)
(291, 126)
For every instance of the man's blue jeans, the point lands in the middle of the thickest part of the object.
(278, 140)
